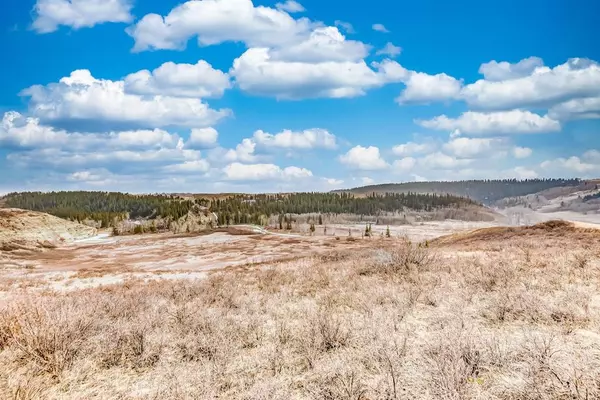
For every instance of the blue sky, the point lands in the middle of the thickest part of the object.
(235, 95)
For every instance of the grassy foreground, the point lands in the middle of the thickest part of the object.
(515, 316)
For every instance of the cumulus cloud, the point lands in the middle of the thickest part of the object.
(440, 160)
(500, 71)
(243, 152)
(346, 26)
(521, 173)
(48, 15)
(255, 172)
(425, 88)
(333, 181)
(380, 28)
(26, 132)
(364, 158)
(104, 104)
(588, 108)
(203, 138)
(412, 148)
(585, 166)
(323, 44)
(405, 164)
(389, 50)
(572, 164)
(37, 147)
(188, 167)
(290, 6)
(287, 139)
(179, 80)
(544, 86)
(463, 147)
(367, 181)
(218, 21)
(521, 152)
(255, 72)
(490, 123)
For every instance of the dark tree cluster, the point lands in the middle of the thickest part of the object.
(485, 191)
(242, 209)
(106, 207)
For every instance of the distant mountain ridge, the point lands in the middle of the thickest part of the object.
(485, 191)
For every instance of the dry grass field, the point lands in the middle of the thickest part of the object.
(500, 313)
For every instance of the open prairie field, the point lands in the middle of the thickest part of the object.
(495, 313)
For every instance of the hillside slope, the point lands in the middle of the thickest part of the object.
(485, 191)
(23, 229)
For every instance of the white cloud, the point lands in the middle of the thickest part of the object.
(97, 102)
(577, 78)
(463, 147)
(380, 28)
(364, 158)
(501, 123)
(255, 72)
(440, 160)
(389, 50)
(367, 181)
(19, 131)
(500, 71)
(50, 14)
(290, 6)
(405, 164)
(588, 108)
(333, 181)
(95, 177)
(203, 138)
(255, 172)
(592, 156)
(411, 148)
(346, 26)
(287, 139)
(243, 152)
(323, 44)
(521, 152)
(425, 88)
(179, 80)
(187, 167)
(218, 21)
(574, 164)
(521, 173)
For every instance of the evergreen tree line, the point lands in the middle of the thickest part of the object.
(106, 207)
(255, 208)
(486, 191)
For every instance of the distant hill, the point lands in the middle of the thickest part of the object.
(484, 191)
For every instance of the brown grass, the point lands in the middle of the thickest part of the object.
(493, 319)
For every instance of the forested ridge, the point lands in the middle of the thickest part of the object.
(485, 191)
(100, 206)
(249, 208)
(109, 207)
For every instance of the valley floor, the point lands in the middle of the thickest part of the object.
(499, 313)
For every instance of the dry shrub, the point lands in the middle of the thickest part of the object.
(47, 337)
(343, 385)
(401, 260)
(129, 347)
(219, 292)
(456, 362)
